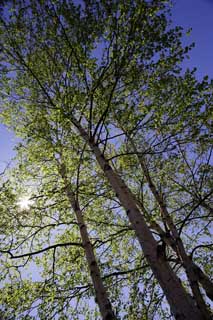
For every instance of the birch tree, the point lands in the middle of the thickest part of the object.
(111, 73)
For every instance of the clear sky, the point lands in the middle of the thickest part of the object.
(197, 14)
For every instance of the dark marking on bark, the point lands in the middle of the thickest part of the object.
(128, 211)
(91, 140)
(87, 243)
(161, 251)
(93, 263)
(107, 305)
(82, 226)
(108, 316)
(107, 167)
(75, 207)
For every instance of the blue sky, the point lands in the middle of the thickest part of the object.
(197, 14)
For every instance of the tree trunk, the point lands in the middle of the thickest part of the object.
(186, 260)
(100, 290)
(204, 281)
(181, 303)
(202, 278)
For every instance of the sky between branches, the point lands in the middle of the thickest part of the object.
(195, 14)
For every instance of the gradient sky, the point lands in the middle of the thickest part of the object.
(197, 14)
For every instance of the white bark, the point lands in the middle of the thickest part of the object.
(181, 303)
(100, 290)
(186, 260)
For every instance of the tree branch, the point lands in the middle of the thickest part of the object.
(28, 254)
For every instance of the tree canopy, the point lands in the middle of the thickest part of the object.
(107, 210)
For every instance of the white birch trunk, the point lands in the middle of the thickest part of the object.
(102, 298)
(181, 303)
(186, 260)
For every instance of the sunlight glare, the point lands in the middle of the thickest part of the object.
(24, 203)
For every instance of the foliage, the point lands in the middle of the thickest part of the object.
(115, 67)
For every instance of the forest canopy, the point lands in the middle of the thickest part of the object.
(106, 211)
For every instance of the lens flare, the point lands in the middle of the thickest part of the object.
(24, 203)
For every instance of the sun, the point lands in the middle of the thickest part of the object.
(24, 203)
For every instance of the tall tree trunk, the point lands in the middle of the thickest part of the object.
(202, 278)
(181, 303)
(100, 290)
(186, 260)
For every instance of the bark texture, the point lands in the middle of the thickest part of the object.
(177, 243)
(201, 277)
(181, 303)
(100, 290)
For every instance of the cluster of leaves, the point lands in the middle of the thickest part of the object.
(115, 66)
